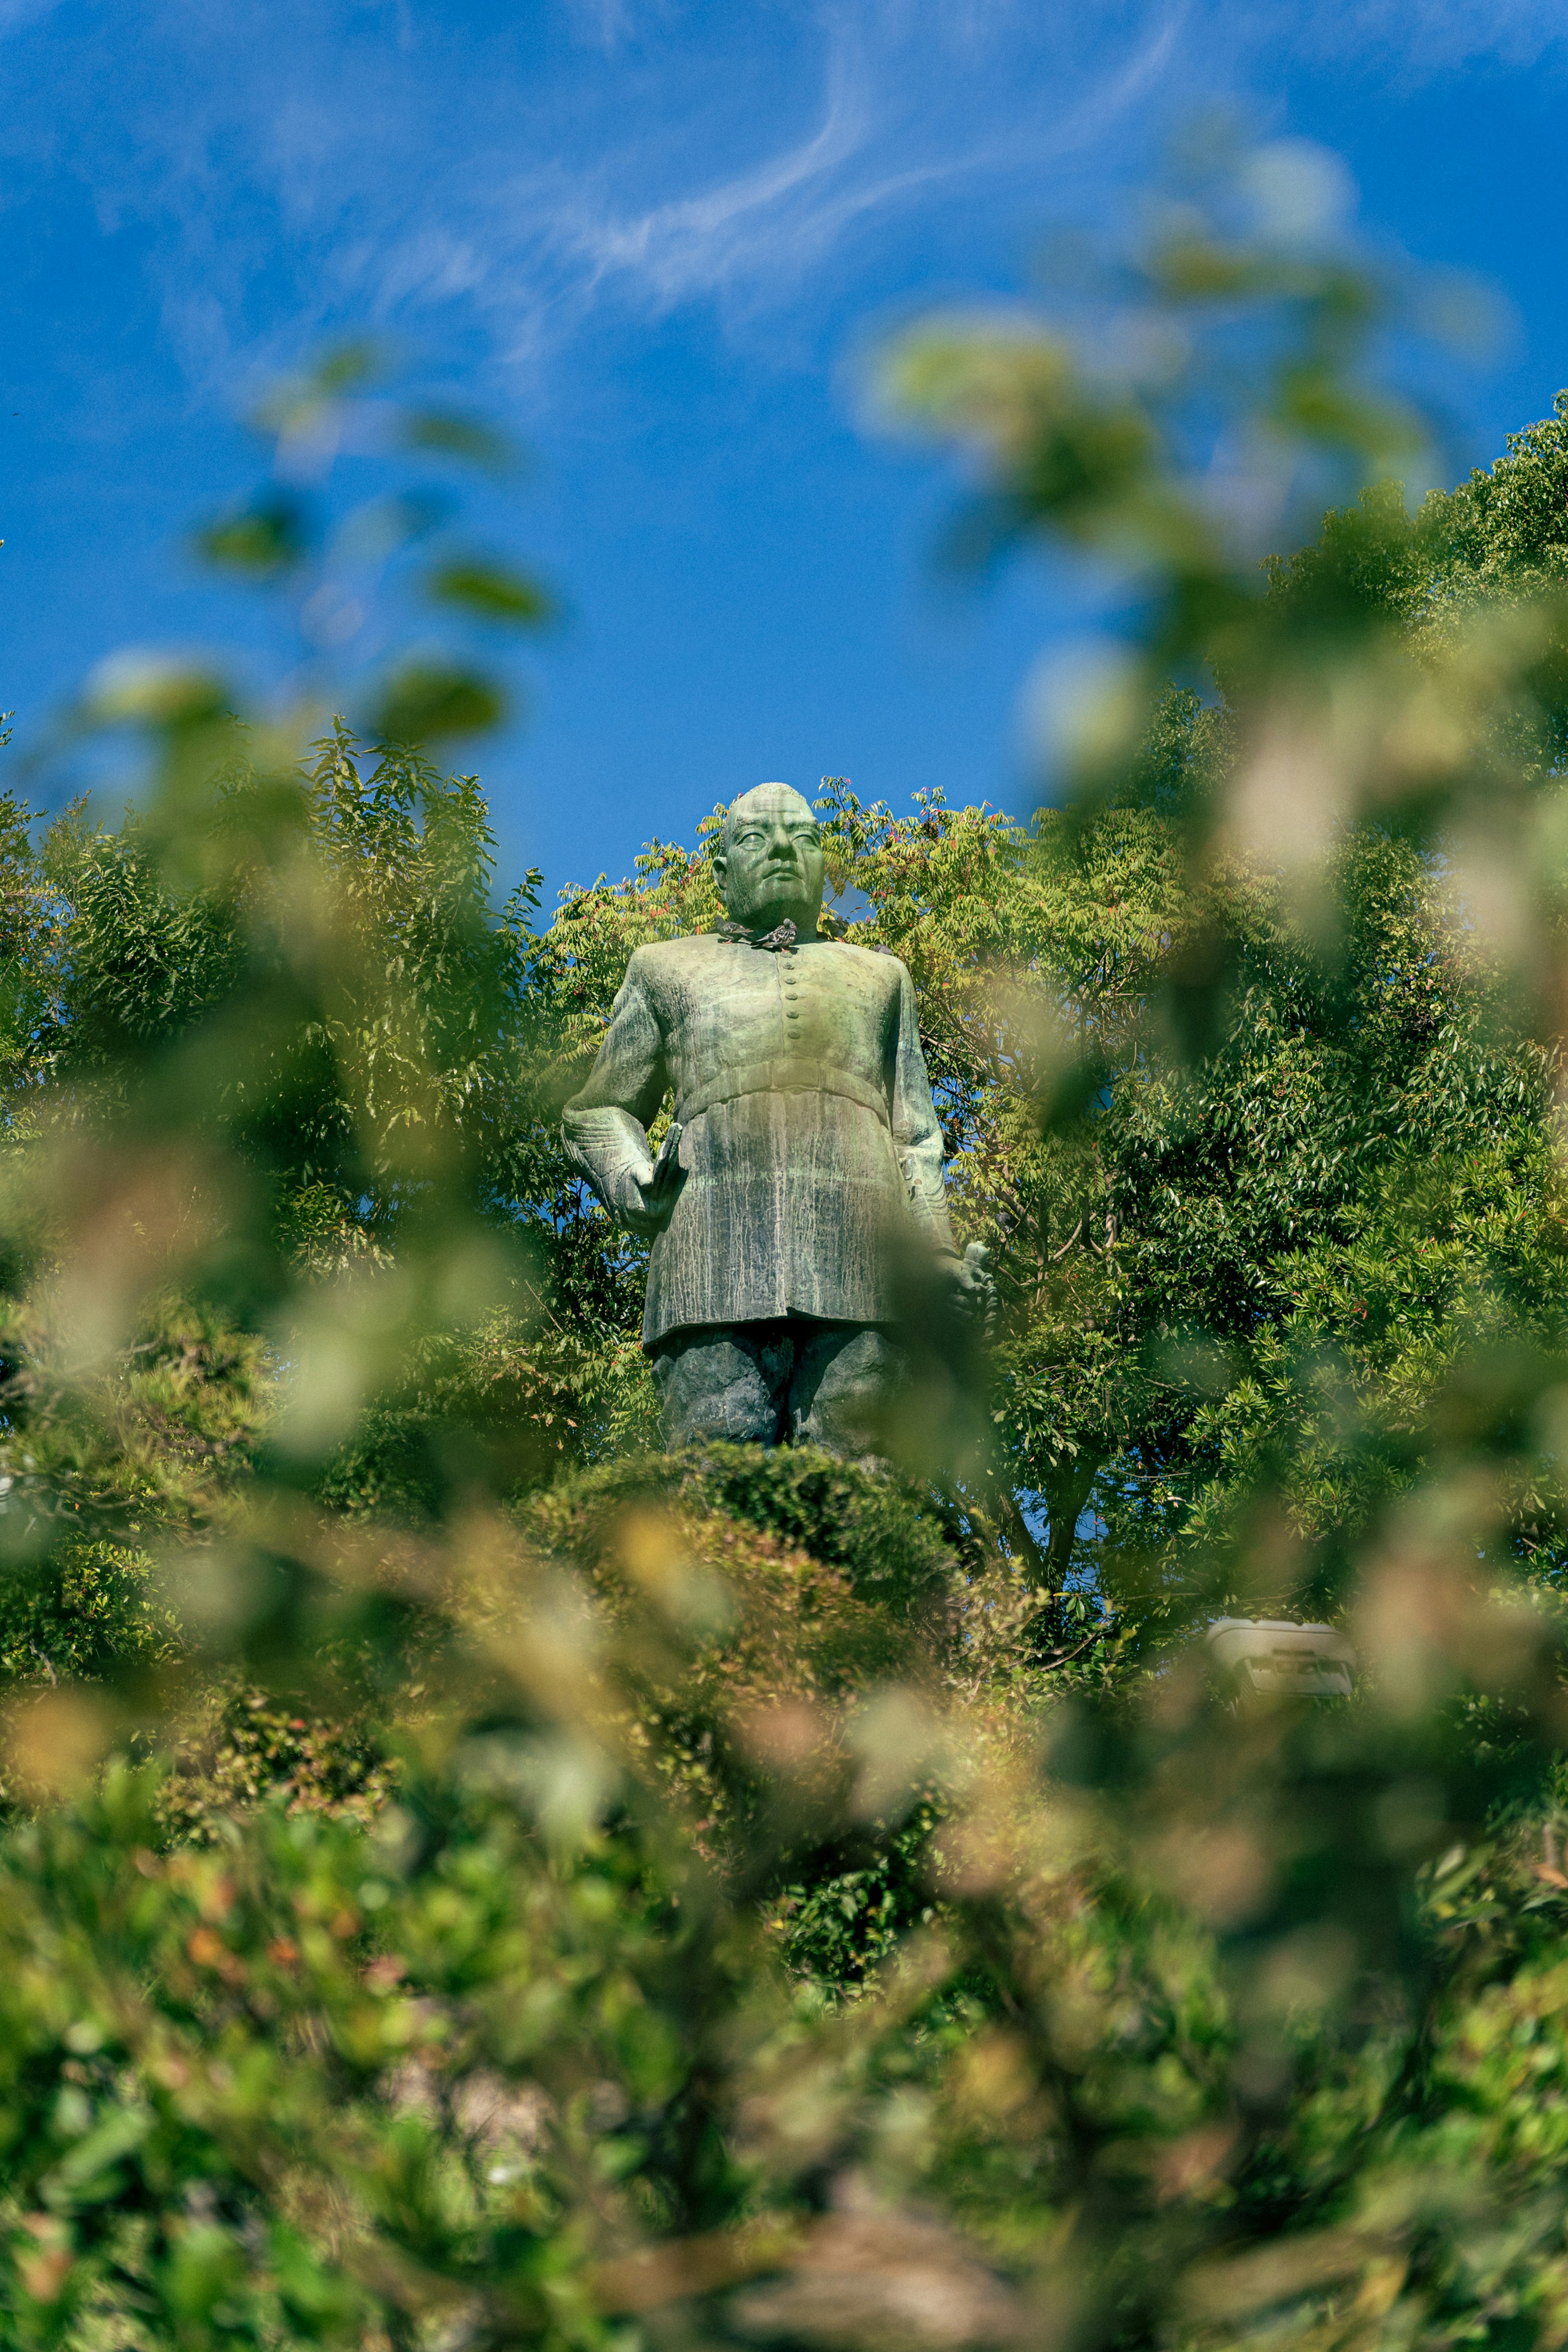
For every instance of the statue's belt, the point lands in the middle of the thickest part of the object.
(783, 1078)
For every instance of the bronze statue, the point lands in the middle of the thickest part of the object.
(801, 1177)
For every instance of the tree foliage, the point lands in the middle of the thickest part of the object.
(469, 1882)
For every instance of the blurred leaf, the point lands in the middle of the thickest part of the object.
(490, 592)
(426, 699)
(151, 689)
(448, 432)
(266, 538)
(300, 403)
(348, 367)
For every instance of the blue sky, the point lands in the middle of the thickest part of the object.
(653, 237)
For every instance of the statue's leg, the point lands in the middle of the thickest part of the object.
(723, 1381)
(846, 1383)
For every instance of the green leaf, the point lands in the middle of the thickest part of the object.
(298, 404)
(449, 434)
(423, 701)
(488, 591)
(149, 690)
(263, 540)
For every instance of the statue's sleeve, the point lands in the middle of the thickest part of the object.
(916, 1136)
(606, 1124)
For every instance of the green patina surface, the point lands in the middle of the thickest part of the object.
(805, 1176)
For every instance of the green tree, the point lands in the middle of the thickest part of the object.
(467, 1882)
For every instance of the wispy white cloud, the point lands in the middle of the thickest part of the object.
(540, 191)
(767, 217)
(321, 160)
(334, 173)
(913, 112)
(1416, 37)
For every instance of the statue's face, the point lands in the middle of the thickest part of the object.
(771, 869)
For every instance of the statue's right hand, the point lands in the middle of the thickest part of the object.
(629, 1196)
(646, 1194)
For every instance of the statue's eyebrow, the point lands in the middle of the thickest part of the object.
(750, 825)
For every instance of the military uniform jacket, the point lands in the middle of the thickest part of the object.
(811, 1157)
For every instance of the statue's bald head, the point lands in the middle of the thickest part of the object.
(769, 861)
(767, 801)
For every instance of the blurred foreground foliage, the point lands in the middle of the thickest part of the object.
(470, 1881)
